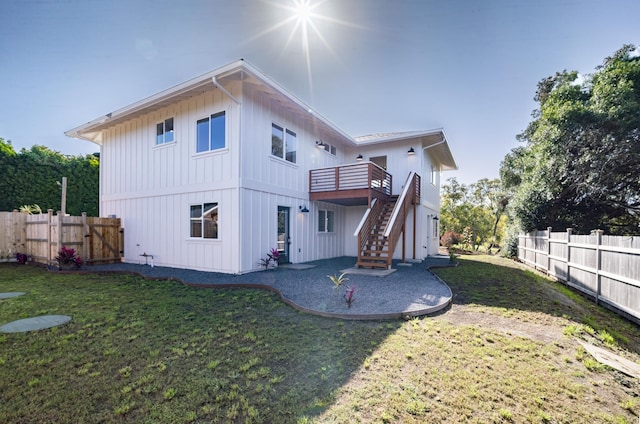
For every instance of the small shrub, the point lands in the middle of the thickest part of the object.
(337, 281)
(272, 256)
(349, 295)
(68, 258)
(450, 238)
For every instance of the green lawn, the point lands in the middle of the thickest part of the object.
(159, 352)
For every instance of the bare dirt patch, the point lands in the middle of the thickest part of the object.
(467, 315)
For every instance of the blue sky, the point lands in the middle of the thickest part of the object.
(470, 67)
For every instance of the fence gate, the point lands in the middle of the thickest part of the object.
(97, 240)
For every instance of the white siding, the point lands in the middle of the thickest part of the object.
(152, 187)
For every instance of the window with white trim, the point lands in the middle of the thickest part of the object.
(325, 221)
(284, 143)
(329, 148)
(434, 175)
(211, 133)
(204, 220)
(164, 131)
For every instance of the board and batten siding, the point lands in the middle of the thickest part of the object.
(163, 231)
(151, 187)
(263, 171)
(268, 182)
(132, 163)
(259, 230)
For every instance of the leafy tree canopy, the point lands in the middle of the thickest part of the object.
(579, 166)
(30, 178)
(476, 210)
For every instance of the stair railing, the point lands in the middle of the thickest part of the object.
(366, 224)
(410, 195)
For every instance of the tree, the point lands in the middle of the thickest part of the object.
(475, 211)
(30, 177)
(580, 165)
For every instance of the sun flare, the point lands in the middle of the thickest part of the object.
(303, 17)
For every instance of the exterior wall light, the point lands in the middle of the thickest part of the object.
(359, 157)
(411, 152)
(303, 209)
(320, 144)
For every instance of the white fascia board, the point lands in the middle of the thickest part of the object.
(401, 136)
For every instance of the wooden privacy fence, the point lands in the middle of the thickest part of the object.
(604, 267)
(97, 240)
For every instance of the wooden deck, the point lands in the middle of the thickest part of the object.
(350, 185)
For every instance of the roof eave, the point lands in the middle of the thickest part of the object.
(92, 130)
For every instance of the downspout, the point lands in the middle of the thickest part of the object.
(224, 90)
(240, 227)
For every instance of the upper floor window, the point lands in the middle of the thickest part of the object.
(284, 143)
(434, 175)
(164, 131)
(325, 221)
(330, 148)
(204, 220)
(211, 134)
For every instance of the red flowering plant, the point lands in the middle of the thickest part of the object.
(68, 258)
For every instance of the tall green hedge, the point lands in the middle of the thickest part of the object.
(30, 177)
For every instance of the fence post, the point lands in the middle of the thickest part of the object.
(49, 241)
(85, 236)
(548, 250)
(569, 230)
(59, 241)
(599, 234)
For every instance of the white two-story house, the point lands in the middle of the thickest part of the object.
(215, 172)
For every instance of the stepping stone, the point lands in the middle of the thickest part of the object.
(9, 295)
(35, 323)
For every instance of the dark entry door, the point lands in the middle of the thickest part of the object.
(284, 237)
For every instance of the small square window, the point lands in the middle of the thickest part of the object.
(204, 220)
(164, 131)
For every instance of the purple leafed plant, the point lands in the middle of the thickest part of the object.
(349, 295)
(273, 255)
(21, 258)
(68, 257)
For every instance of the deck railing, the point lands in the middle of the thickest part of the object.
(366, 175)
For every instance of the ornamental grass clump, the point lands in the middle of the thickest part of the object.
(349, 292)
(68, 258)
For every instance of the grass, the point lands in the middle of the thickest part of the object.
(161, 352)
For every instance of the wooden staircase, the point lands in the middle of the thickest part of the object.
(376, 252)
(381, 226)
